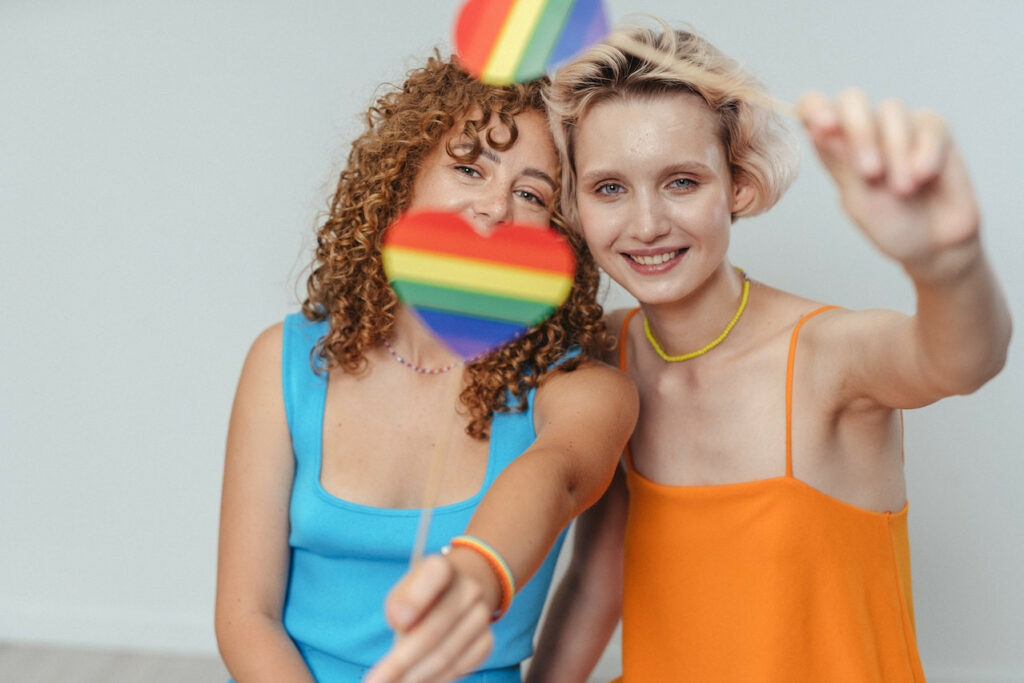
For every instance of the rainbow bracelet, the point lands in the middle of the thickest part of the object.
(497, 564)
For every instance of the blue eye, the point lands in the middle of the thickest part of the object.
(609, 189)
(683, 183)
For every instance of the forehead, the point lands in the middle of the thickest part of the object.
(534, 144)
(649, 126)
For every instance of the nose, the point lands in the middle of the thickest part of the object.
(490, 209)
(649, 220)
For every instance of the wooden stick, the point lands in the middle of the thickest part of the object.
(436, 473)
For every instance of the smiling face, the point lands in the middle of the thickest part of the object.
(498, 187)
(654, 192)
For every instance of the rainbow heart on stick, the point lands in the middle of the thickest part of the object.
(514, 41)
(476, 293)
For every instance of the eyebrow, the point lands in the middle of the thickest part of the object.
(491, 155)
(683, 167)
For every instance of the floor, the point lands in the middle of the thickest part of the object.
(38, 664)
(21, 663)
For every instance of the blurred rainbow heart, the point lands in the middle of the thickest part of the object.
(476, 293)
(514, 41)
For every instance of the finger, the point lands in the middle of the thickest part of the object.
(894, 128)
(817, 113)
(821, 121)
(448, 658)
(932, 145)
(416, 592)
(476, 654)
(430, 630)
(860, 131)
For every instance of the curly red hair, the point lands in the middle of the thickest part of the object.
(347, 285)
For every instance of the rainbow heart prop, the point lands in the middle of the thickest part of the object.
(476, 293)
(514, 41)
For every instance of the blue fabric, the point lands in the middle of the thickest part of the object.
(345, 556)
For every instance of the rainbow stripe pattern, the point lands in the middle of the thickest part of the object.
(514, 41)
(476, 293)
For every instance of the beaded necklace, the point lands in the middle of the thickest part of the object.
(413, 366)
(718, 340)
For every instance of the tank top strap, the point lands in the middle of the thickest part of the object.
(622, 366)
(304, 385)
(622, 338)
(789, 385)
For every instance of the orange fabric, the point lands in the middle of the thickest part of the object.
(768, 581)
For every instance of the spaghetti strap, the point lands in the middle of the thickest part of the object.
(789, 387)
(622, 366)
(622, 338)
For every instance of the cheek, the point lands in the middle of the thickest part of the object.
(595, 225)
(534, 218)
(600, 236)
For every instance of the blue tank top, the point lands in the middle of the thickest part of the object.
(345, 557)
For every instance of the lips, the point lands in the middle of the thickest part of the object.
(654, 261)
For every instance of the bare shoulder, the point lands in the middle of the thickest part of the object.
(839, 350)
(260, 393)
(593, 387)
(838, 332)
(587, 415)
(266, 349)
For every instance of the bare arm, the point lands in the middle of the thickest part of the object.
(252, 564)
(902, 181)
(587, 606)
(583, 420)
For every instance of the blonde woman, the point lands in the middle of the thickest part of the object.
(757, 530)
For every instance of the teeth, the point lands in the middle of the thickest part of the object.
(654, 260)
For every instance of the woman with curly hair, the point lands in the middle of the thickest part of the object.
(338, 409)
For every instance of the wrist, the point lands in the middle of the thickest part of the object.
(473, 567)
(947, 266)
(478, 561)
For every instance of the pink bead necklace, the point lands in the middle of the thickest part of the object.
(413, 366)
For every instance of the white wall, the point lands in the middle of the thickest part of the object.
(161, 169)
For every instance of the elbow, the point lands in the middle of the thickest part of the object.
(992, 363)
(232, 627)
(964, 374)
(968, 379)
(222, 628)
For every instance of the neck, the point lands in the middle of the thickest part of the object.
(690, 323)
(410, 338)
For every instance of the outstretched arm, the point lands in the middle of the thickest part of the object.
(901, 179)
(587, 606)
(441, 608)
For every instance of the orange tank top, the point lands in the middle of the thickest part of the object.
(768, 581)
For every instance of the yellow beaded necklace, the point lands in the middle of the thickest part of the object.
(718, 340)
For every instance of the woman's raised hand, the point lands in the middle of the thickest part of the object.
(900, 178)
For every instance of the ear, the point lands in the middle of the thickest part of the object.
(743, 194)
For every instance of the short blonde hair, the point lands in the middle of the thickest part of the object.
(759, 149)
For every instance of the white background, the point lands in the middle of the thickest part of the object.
(162, 167)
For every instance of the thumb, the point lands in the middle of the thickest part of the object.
(411, 598)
